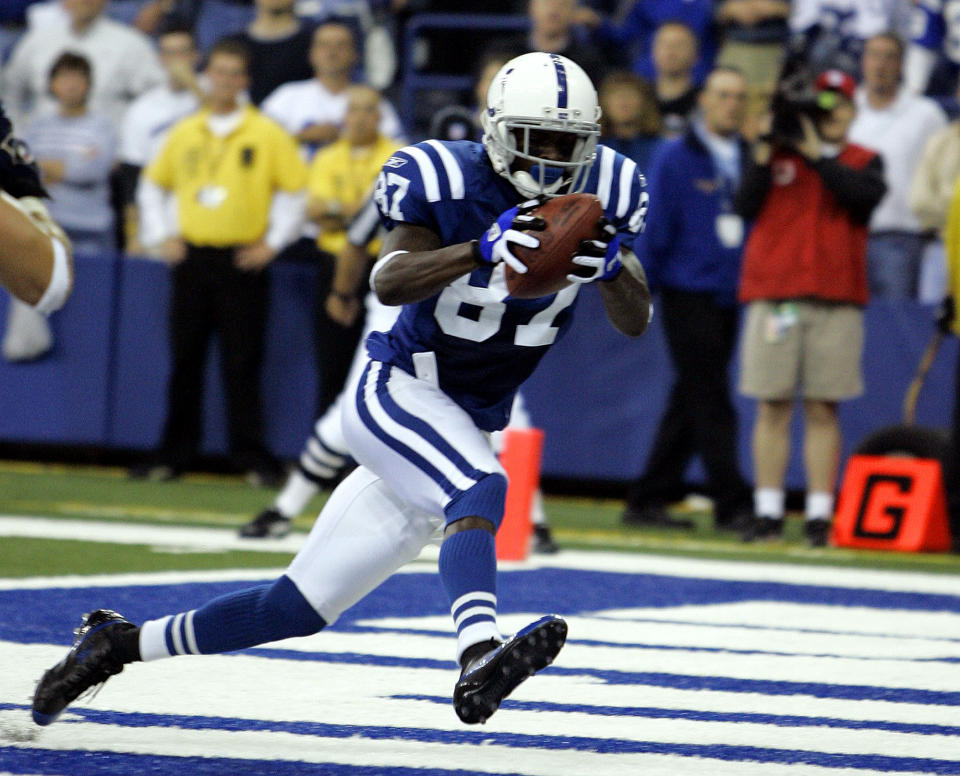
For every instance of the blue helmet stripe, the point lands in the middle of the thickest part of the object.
(561, 81)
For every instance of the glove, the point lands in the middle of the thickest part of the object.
(945, 314)
(19, 174)
(494, 246)
(603, 256)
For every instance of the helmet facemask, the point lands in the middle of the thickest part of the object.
(545, 158)
(543, 144)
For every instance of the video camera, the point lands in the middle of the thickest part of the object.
(795, 96)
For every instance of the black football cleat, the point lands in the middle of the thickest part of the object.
(92, 660)
(489, 678)
(763, 529)
(268, 524)
(817, 532)
(543, 543)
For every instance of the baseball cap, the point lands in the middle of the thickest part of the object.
(835, 82)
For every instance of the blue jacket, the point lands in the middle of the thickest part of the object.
(680, 248)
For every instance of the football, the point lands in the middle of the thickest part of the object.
(569, 219)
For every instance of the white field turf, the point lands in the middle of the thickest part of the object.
(672, 666)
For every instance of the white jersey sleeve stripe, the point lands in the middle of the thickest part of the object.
(454, 174)
(605, 182)
(627, 172)
(431, 183)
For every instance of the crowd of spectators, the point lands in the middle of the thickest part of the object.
(96, 86)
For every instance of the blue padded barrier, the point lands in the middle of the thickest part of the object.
(63, 397)
(598, 395)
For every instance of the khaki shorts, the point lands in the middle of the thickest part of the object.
(807, 348)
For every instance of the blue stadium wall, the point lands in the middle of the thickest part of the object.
(598, 395)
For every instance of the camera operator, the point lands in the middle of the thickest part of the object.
(804, 277)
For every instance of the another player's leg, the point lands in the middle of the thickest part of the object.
(435, 458)
(543, 542)
(363, 535)
(322, 463)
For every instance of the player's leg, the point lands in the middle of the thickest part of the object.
(435, 458)
(363, 535)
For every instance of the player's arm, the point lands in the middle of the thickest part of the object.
(414, 265)
(34, 265)
(626, 298)
(35, 261)
(417, 266)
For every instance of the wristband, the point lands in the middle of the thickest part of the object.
(477, 256)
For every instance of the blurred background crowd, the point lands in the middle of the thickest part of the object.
(102, 88)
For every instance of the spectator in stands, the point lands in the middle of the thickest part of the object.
(897, 124)
(834, 33)
(691, 250)
(153, 113)
(641, 23)
(753, 35)
(553, 28)
(932, 49)
(313, 109)
(123, 60)
(462, 122)
(340, 183)
(931, 192)
(675, 54)
(279, 45)
(630, 122)
(76, 149)
(204, 17)
(342, 174)
(805, 280)
(237, 180)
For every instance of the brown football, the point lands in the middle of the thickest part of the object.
(569, 219)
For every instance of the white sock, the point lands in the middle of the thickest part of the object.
(296, 494)
(819, 505)
(537, 515)
(768, 502)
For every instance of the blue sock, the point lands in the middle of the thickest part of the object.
(233, 621)
(468, 570)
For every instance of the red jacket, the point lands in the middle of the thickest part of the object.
(804, 243)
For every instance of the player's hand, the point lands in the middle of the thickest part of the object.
(342, 309)
(809, 145)
(494, 245)
(945, 314)
(602, 256)
(19, 174)
(173, 250)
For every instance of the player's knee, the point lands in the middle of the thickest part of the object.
(486, 500)
(287, 611)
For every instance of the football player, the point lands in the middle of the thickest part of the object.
(431, 391)
(325, 459)
(35, 255)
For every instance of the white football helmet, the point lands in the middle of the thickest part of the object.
(535, 102)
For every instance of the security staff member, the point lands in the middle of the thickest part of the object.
(237, 180)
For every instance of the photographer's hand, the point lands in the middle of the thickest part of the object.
(762, 147)
(809, 146)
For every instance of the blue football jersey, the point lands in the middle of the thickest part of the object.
(486, 342)
(935, 25)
